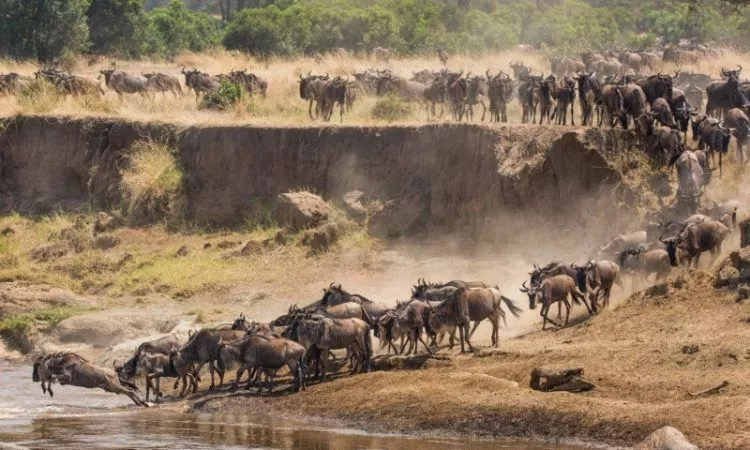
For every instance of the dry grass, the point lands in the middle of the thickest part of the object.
(60, 250)
(282, 105)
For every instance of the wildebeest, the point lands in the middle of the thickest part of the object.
(453, 311)
(662, 112)
(694, 240)
(203, 348)
(622, 242)
(458, 92)
(69, 84)
(250, 81)
(336, 295)
(486, 303)
(552, 290)
(125, 83)
(478, 90)
(320, 335)
(159, 82)
(691, 179)
(409, 90)
(200, 82)
(681, 109)
(547, 95)
(500, 90)
(265, 354)
(601, 276)
(333, 93)
(642, 263)
(566, 95)
(725, 95)
(10, 83)
(411, 318)
(713, 135)
(739, 124)
(589, 94)
(631, 60)
(311, 89)
(367, 80)
(634, 103)
(520, 70)
(528, 94)
(614, 106)
(70, 368)
(657, 86)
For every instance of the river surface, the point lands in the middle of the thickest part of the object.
(79, 418)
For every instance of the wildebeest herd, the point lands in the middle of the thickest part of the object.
(303, 339)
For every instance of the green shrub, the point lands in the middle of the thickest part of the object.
(228, 95)
(391, 108)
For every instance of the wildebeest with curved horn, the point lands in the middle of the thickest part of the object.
(725, 95)
(552, 290)
(696, 239)
(657, 86)
(500, 91)
(453, 311)
(70, 368)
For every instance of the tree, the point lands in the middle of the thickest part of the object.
(117, 26)
(175, 28)
(43, 29)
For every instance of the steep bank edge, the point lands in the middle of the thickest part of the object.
(459, 172)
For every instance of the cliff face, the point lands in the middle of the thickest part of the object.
(454, 173)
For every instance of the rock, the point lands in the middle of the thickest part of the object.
(353, 205)
(658, 290)
(106, 241)
(227, 244)
(206, 246)
(323, 237)
(252, 248)
(666, 438)
(400, 216)
(183, 251)
(727, 276)
(299, 210)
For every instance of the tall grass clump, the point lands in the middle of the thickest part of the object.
(228, 95)
(152, 184)
(39, 96)
(391, 108)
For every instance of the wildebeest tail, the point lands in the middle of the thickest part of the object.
(515, 310)
(368, 349)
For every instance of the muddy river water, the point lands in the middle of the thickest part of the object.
(93, 419)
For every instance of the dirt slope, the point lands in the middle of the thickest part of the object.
(634, 353)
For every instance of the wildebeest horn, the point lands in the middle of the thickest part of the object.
(574, 266)
(661, 239)
(523, 287)
(488, 73)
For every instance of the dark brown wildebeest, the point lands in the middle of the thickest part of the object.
(662, 112)
(70, 84)
(694, 240)
(520, 70)
(711, 134)
(566, 96)
(311, 89)
(157, 366)
(589, 94)
(336, 295)
(411, 318)
(552, 290)
(681, 109)
(478, 91)
(528, 95)
(634, 103)
(453, 311)
(725, 95)
(265, 354)
(614, 106)
(500, 90)
(70, 368)
(203, 348)
(458, 92)
(334, 92)
(159, 82)
(657, 86)
(547, 96)
(250, 81)
(200, 82)
(319, 334)
(600, 277)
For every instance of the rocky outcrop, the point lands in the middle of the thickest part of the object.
(734, 270)
(298, 210)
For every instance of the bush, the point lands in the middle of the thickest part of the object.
(152, 185)
(391, 108)
(228, 95)
(175, 28)
(39, 96)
